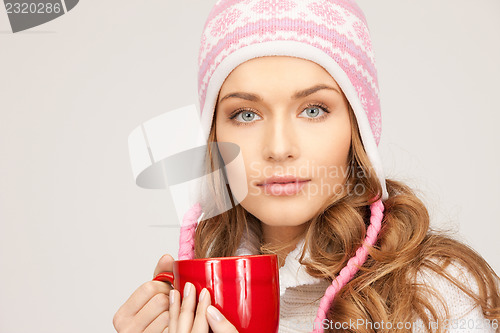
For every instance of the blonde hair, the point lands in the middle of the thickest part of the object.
(384, 288)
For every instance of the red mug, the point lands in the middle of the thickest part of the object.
(245, 289)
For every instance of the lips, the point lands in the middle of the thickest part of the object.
(283, 189)
(283, 185)
(282, 180)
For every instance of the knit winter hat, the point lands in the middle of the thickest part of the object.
(331, 33)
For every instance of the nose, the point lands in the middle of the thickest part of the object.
(280, 141)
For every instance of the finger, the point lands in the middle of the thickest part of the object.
(159, 324)
(165, 264)
(200, 324)
(174, 310)
(141, 296)
(186, 315)
(151, 311)
(218, 322)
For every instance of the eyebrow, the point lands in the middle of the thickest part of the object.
(296, 95)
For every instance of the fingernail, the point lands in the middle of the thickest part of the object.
(214, 313)
(187, 289)
(202, 295)
(172, 296)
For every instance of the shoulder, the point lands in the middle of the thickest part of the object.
(463, 310)
(449, 291)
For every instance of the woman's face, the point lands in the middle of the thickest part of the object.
(290, 118)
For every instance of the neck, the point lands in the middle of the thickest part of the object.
(282, 236)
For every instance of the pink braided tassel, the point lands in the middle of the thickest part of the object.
(188, 228)
(346, 274)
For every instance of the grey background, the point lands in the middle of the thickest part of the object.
(76, 234)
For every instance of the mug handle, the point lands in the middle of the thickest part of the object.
(165, 277)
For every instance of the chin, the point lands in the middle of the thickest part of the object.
(280, 213)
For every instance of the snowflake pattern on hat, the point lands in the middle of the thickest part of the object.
(273, 6)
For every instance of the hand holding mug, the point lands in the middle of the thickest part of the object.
(149, 310)
(244, 290)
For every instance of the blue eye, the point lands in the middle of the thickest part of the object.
(315, 111)
(244, 117)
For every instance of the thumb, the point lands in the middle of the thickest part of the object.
(165, 264)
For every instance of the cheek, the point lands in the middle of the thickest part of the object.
(331, 154)
(337, 150)
(237, 157)
(237, 177)
(254, 170)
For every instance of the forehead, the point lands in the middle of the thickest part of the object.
(277, 71)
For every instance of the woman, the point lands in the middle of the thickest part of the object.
(294, 85)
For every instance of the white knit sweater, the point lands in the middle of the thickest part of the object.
(301, 293)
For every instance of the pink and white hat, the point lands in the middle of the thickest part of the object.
(331, 33)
